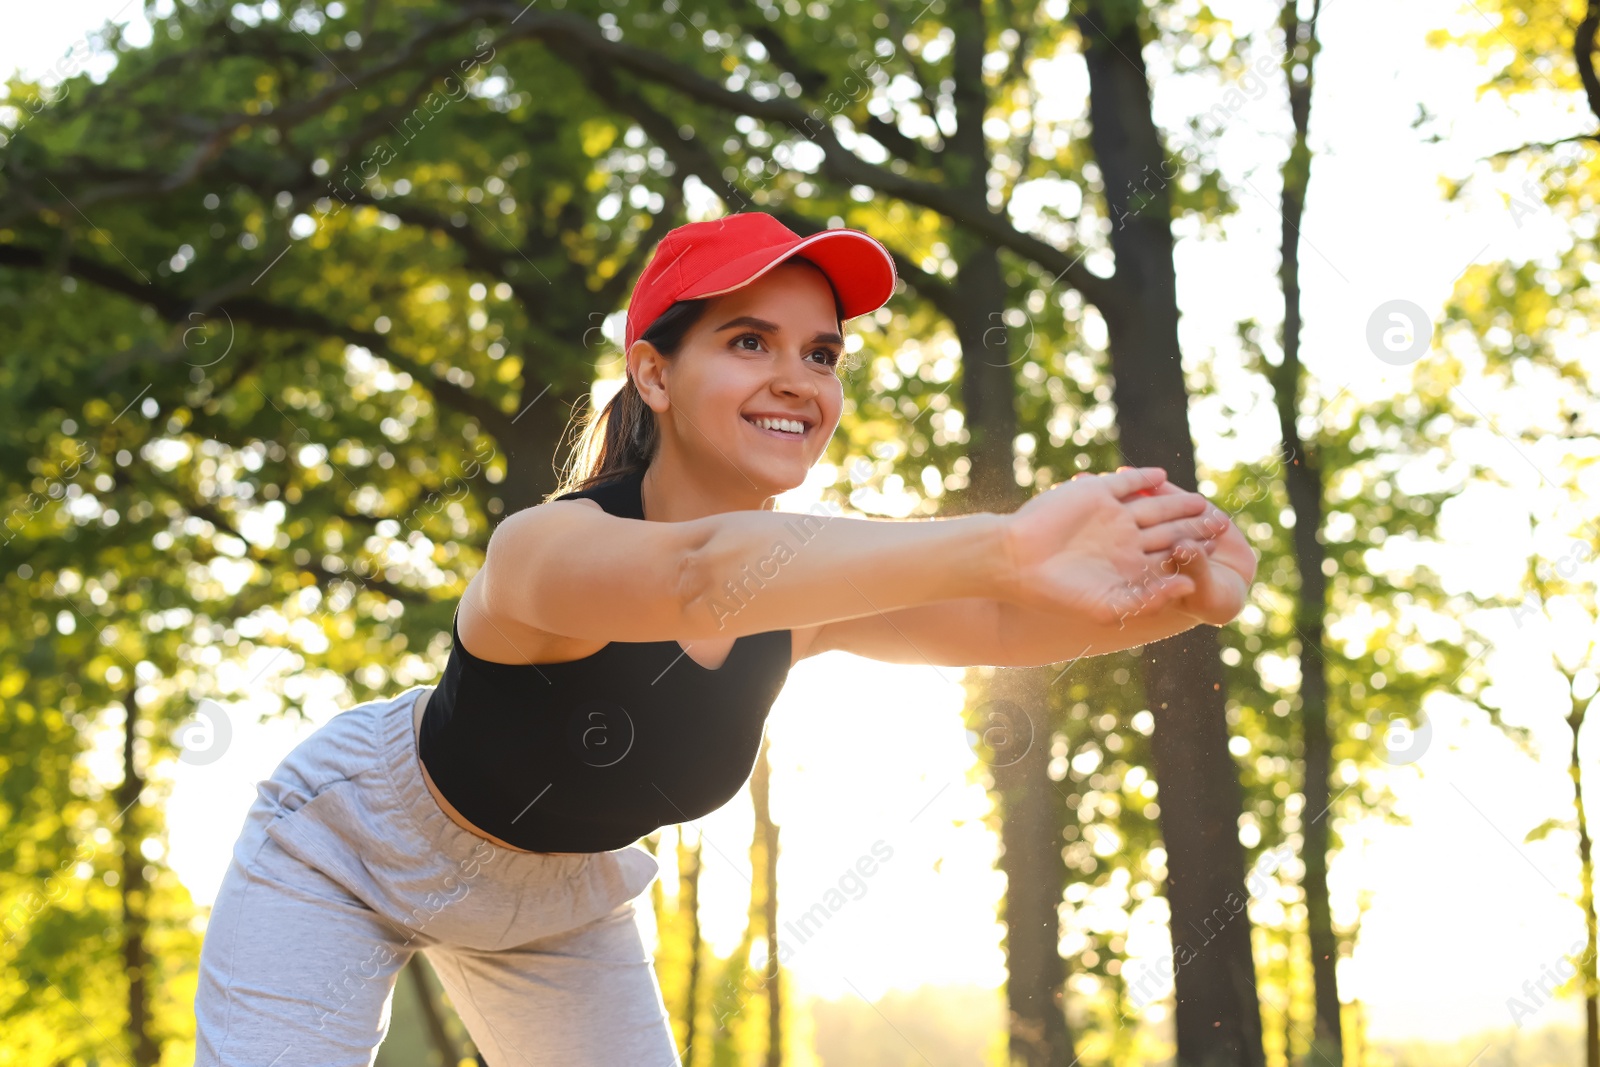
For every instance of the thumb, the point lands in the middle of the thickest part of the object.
(1186, 553)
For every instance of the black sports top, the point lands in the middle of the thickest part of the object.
(592, 754)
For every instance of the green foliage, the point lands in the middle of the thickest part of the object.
(1526, 44)
(297, 308)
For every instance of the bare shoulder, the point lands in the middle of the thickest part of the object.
(495, 636)
(498, 638)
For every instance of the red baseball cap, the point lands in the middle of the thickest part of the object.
(700, 259)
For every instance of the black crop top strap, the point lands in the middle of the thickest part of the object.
(592, 754)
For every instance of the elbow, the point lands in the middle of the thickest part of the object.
(692, 596)
(720, 574)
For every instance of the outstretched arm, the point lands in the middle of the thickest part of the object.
(982, 631)
(990, 631)
(567, 568)
(570, 569)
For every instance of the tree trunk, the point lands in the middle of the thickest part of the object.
(658, 893)
(767, 831)
(1303, 481)
(689, 902)
(1030, 828)
(1218, 1014)
(1586, 972)
(1036, 876)
(135, 894)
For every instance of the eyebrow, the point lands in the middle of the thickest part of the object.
(772, 327)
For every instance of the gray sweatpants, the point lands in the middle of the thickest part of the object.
(347, 866)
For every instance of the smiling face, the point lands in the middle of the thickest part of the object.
(754, 391)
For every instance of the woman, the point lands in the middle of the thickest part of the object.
(610, 676)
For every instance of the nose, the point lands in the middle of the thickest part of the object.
(794, 378)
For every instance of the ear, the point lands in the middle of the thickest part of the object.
(648, 369)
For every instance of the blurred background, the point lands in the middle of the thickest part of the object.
(300, 299)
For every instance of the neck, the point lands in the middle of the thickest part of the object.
(673, 491)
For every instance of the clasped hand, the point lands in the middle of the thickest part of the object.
(1109, 546)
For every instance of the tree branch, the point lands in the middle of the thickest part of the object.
(840, 164)
(1583, 54)
(920, 75)
(278, 565)
(174, 307)
(971, 99)
(1545, 146)
(812, 80)
(215, 136)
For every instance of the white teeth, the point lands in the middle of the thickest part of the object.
(786, 425)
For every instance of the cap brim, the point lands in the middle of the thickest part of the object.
(860, 268)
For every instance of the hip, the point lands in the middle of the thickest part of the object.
(352, 801)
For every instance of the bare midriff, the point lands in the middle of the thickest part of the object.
(444, 805)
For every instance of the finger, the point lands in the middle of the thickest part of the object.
(1177, 559)
(1165, 487)
(1171, 568)
(1188, 553)
(1168, 486)
(1180, 504)
(1124, 483)
(1179, 586)
(1162, 566)
(1194, 564)
(1221, 521)
(1155, 592)
(1165, 535)
(1156, 558)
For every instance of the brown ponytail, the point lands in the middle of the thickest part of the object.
(621, 438)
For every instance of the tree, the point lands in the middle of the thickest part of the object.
(1303, 481)
(1517, 315)
(764, 848)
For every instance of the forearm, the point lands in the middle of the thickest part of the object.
(1030, 637)
(752, 571)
